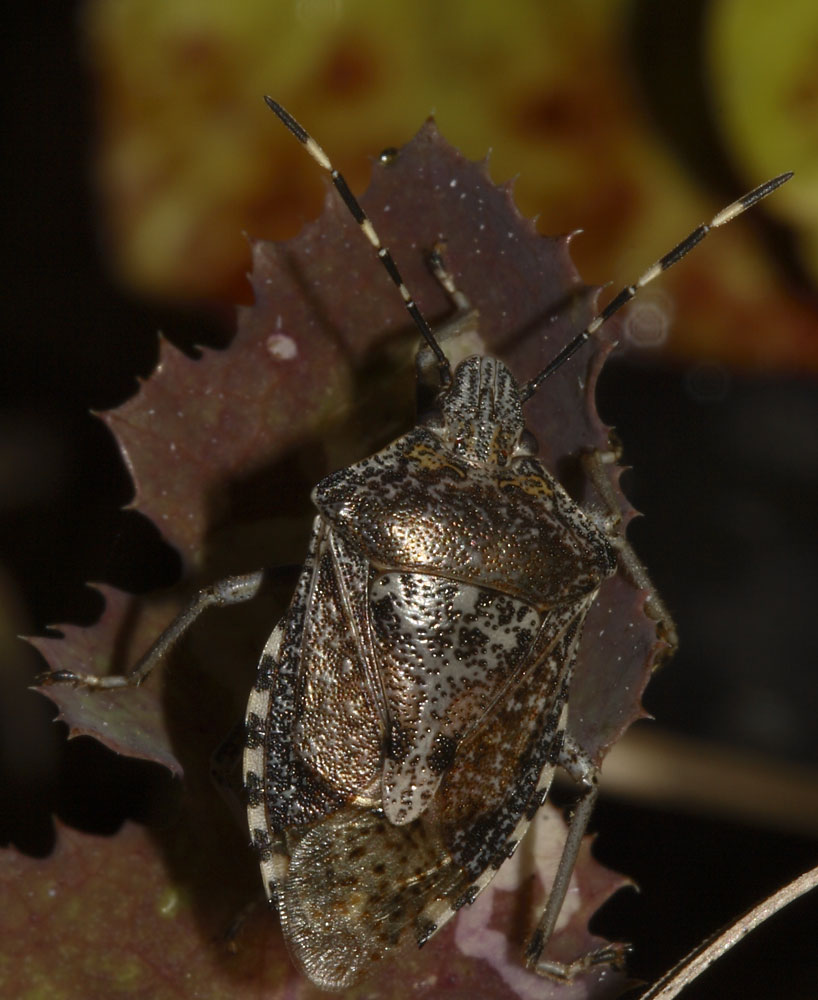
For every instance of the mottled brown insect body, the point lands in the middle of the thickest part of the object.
(409, 709)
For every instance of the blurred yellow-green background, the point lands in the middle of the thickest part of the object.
(631, 121)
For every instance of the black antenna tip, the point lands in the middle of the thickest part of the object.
(764, 189)
(286, 118)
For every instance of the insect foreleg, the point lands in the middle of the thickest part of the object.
(437, 265)
(231, 590)
(459, 334)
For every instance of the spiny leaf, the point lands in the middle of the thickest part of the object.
(129, 724)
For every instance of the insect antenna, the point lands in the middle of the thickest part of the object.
(354, 206)
(672, 257)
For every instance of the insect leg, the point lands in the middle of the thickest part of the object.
(595, 464)
(231, 590)
(582, 769)
(438, 268)
(459, 334)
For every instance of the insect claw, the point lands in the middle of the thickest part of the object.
(614, 955)
(48, 677)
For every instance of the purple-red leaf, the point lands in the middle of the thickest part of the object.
(148, 916)
(131, 720)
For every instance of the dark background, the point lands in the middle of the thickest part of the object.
(726, 467)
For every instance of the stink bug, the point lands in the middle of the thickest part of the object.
(411, 707)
